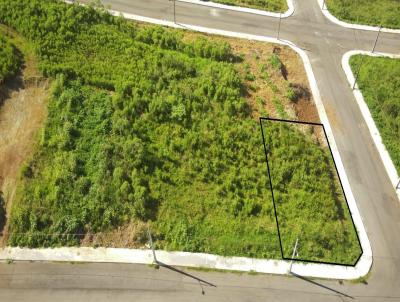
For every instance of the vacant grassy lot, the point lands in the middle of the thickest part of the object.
(149, 126)
(268, 5)
(370, 12)
(301, 188)
(379, 81)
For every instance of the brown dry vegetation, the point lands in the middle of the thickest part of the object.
(22, 113)
(257, 54)
(132, 235)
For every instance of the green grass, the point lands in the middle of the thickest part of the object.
(302, 189)
(268, 5)
(9, 59)
(370, 12)
(144, 126)
(379, 81)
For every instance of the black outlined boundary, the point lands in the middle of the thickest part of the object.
(273, 199)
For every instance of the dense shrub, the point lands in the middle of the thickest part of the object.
(9, 59)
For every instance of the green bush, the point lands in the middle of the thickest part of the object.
(291, 94)
(9, 59)
(275, 62)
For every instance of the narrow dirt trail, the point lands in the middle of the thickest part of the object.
(22, 113)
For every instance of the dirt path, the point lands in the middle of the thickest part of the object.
(22, 113)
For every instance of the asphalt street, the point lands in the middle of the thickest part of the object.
(43, 282)
(325, 44)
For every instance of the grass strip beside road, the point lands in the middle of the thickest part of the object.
(278, 6)
(379, 81)
(385, 13)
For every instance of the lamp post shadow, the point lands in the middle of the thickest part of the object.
(320, 285)
(159, 263)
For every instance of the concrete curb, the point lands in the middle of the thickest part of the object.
(213, 261)
(333, 19)
(286, 14)
(184, 259)
(384, 154)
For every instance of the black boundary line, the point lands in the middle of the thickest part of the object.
(345, 197)
(272, 191)
(341, 185)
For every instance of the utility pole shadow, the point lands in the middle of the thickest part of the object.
(159, 263)
(185, 274)
(320, 285)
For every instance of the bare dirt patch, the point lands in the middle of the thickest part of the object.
(22, 113)
(133, 235)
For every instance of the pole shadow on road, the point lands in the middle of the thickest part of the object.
(201, 281)
(159, 263)
(320, 285)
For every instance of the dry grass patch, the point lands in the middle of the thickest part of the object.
(22, 114)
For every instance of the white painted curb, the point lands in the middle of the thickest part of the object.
(139, 256)
(333, 19)
(286, 14)
(373, 129)
(213, 261)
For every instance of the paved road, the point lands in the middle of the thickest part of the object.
(43, 282)
(325, 43)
